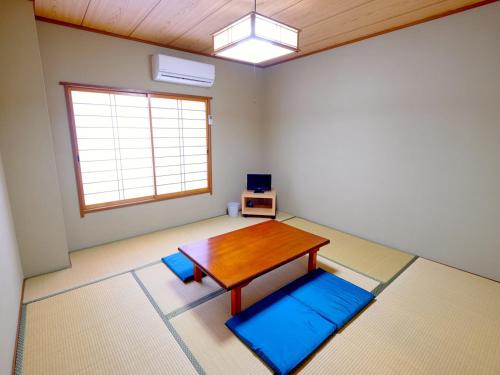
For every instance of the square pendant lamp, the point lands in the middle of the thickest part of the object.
(255, 38)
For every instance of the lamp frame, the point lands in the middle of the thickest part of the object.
(253, 15)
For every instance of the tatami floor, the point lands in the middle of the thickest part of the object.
(119, 310)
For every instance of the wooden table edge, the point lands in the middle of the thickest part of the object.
(196, 264)
(246, 281)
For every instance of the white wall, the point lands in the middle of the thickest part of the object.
(11, 280)
(84, 57)
(397, 138)
(26, 144)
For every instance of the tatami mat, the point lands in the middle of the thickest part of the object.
(283, 216)
(431, 320)
(215, 347)
(105, 328)
(372, 259)
(110, 259)
(169, 292)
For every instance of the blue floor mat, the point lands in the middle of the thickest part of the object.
(289, 325)
(281, 330)
(180, 265)
(335, 299)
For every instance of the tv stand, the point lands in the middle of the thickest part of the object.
(255, 203)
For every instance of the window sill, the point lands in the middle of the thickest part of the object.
(134, 201)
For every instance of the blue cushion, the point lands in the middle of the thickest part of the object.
(335, 299)
(180, 265)
(281, 330)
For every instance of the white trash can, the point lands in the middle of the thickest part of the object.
(233, 209)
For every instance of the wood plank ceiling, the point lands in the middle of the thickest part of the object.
(188, 24)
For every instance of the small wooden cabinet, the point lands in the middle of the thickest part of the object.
(258, 204)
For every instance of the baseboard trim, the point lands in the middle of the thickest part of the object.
(16, 347)
(461, 269)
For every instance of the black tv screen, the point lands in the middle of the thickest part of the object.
(259, 182)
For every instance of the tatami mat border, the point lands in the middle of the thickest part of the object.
(170, 327)
(380, 288)
(147, 265)
(351, 268)
(382, 285)
(20, 344)
(193, 304)
(350, 234)
(77, 287)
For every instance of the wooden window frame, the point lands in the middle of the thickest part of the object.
(85, 209)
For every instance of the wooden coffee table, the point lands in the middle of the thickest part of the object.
(234, 259)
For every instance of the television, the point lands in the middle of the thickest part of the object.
(259, 183)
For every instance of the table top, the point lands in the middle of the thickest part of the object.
(235, 258)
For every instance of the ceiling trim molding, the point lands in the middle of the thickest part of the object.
(386, 31)
(85, 28)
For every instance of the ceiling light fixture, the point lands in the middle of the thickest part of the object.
(255, 38)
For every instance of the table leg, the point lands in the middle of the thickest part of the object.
(313, 255)
(197, 274)
(235, 301)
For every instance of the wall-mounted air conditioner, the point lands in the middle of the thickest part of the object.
(182, 71)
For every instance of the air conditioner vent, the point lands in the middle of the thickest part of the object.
(182, 71)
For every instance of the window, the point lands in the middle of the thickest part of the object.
(132, 146)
